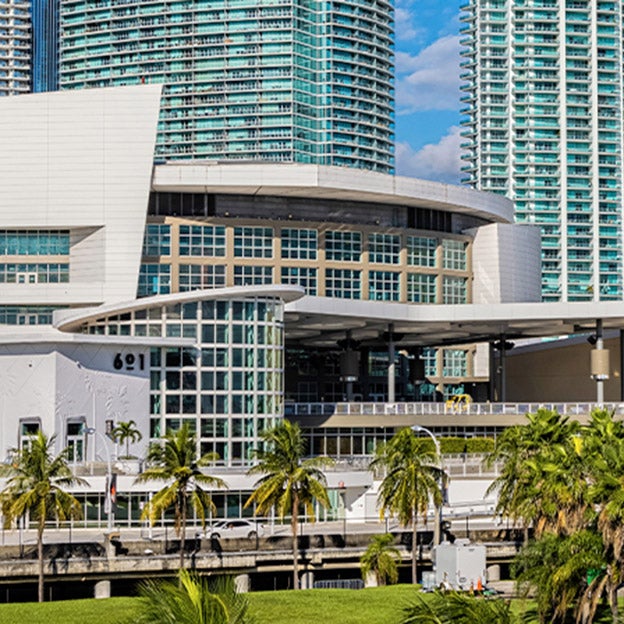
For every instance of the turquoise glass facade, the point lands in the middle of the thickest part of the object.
(272, 80)
(543, 125)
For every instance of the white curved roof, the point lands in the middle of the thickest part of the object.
(332, 183)
(72, 319)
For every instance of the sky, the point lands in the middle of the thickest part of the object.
(427, 89)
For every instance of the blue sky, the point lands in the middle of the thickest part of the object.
(427, 89)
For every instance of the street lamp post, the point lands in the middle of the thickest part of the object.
(109, 478)
(438, 512)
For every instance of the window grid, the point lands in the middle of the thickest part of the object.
(343, 246)
(253, 242)
(34, 242)
(199, 276)
(202, 240)
(454, 363)
(421, 251)
(343, 283)
(383, 285)
(421, 288)
(299, 244)
(252, 275)
(454, 255)
(303, 276)
(454, 289)
(384, 248)
(154, 279)
(157, 240)
(43, 273)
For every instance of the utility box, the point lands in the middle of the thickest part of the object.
(460, 565)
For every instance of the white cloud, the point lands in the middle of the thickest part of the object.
(440, 161)
(429, 80)
(404, 26)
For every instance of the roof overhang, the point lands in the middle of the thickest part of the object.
(321, 322)
(328, 183)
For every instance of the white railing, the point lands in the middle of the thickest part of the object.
(434, 409)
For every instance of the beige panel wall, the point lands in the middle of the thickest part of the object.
(553, 374)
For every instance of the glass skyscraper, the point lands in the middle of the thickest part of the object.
(543, 125)
(274, 80)
(45, 28)
(15, 51)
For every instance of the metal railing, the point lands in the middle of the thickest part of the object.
(434, 409)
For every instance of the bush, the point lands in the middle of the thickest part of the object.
(451, 446)
(479, 445)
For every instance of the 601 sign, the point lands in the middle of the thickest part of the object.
(129, 361)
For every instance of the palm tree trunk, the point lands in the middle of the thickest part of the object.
(40, 557)
(414, 551)
(613, 603)
(182, 531)
(294, 525)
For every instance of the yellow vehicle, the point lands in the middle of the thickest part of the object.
(458, 403)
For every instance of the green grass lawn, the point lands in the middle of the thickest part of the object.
(319, 606)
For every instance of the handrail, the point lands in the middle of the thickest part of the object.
(435, 409)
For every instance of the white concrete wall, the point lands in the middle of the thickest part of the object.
(81, 159)
(506, 263)
(56, 382)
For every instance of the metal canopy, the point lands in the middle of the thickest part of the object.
(321, 321)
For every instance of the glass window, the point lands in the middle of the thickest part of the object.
(34, 242)
(157, 240)
(154, 279)
(384, 248)
(299, 244)
(343, 283)
(454, 255)
(421, 251)
(454, 289)
(343, 246)
(383, 285)
(454, 363)
(41, 273)
(253, 275)
(253, 242)
(303, 276)
(421, 288)
(199, 276)
(202, 240)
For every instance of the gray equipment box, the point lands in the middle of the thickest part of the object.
(460, 566)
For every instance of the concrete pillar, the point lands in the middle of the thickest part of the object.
(241, 583)
(492, 573)
(370, 580)
(306, 581)
(391, 365)
(102, 589)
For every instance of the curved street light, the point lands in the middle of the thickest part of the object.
(438, 511)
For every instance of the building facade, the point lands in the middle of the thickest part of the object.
(15, 47)
(272, 80)
(45, 45)
(543, 126)
(228, 296)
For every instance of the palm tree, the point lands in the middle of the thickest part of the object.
(288, 481)
(412, 479)
(176, 463)
(382, 559)
(192, 600)
(126, 432)
(34, 487)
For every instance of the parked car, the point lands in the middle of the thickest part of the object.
(235, 529)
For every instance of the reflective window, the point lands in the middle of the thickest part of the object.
(34, 242)
(454, 363)
(202, 240)
(343, 246)
(454, 255)
(299, 244)
(253, 242)
(343, 283)
(303, 276)
(384, 248)
(42, 273)
(383, 285)
(421, 288)
(154, 279)
(157, 240)
(454, 289)
(421, 251)
(253, 275)
(198, 276)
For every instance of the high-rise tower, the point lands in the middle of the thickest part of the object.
(280, 80)
(45, 38)
(15, 56)
(543, 98)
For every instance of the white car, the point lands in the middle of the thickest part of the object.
(235, 529)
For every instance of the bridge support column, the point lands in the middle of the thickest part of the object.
(493, 573)
(241, 583)
(102, 589)
(370, 580)
(307, 580)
